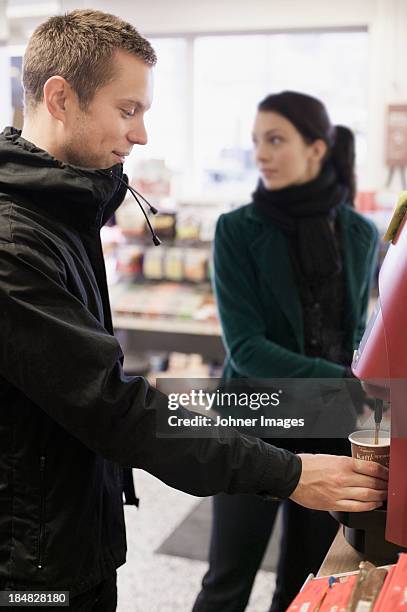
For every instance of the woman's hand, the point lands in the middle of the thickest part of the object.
(329, 482)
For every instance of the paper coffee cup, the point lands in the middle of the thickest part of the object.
(363, 446)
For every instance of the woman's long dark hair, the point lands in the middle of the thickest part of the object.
(311, 119)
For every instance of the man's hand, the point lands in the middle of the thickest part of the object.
(329, 482)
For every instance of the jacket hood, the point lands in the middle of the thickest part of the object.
(83, 197)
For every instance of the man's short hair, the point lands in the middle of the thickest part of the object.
(79, 46)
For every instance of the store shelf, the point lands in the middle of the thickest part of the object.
(177, 326)
(139, 334)
(167, 316)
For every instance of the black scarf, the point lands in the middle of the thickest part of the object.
(304, 212)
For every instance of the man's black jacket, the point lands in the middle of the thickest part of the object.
(70, 420)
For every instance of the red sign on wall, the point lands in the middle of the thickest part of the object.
(396, 140)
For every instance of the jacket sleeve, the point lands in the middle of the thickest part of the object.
(243, 319)
(55, 352)
(372, 261)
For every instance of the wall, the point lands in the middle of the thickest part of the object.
(175, 16)
(5, 93)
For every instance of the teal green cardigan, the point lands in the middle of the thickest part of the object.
(258, 300)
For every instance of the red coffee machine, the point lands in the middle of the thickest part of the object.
(381, 363)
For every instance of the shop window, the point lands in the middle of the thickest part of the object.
(233, 73)
(166, 120)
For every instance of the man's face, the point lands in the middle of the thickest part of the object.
(105, 133)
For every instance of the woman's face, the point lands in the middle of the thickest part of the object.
(281, 153)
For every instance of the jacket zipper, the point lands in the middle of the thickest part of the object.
(97, 261)
(42, 513)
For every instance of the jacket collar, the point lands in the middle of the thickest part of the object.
(82, 197)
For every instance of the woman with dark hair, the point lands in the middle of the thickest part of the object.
(292, 275)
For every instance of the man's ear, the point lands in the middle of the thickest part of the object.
(319, 149)
(57, 92)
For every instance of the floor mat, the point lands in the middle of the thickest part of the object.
(190, 539)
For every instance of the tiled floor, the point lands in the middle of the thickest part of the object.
(151, 582)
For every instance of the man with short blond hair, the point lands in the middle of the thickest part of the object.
(80, 48)
(71, 421)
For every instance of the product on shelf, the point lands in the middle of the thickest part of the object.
(196, 264)
(311, 596)
(130, 219)
(174, 264)
(207, 310)
(130, 261)
(338, 596)
(395, 599)
(164, 225)
(153, 263)
(181, 365)
(208, 224)
(188, 225)
(166, 300)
